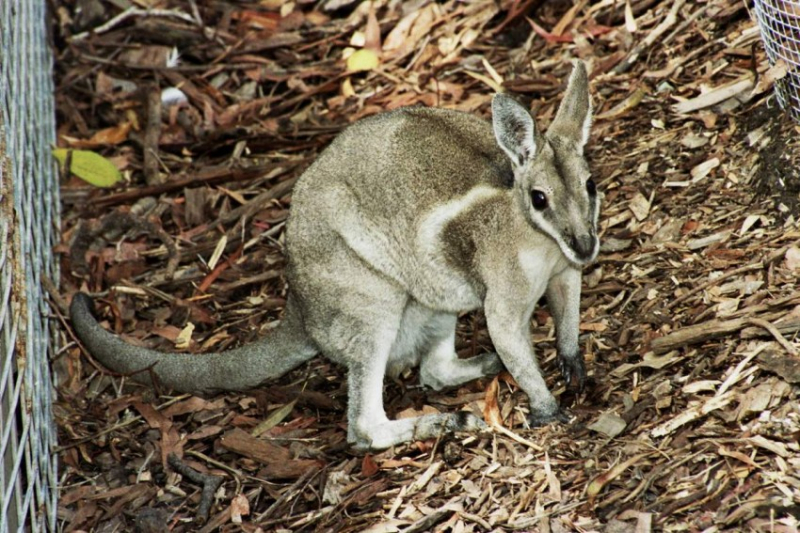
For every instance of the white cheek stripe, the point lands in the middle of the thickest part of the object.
(568, 252)
(432, 224)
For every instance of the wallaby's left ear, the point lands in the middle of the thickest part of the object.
(514, 129)
(574, 117)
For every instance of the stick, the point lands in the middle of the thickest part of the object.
(209, 483)
(788, 346)
(693, 413)
(152, 135)
(207, 177)
(714, 329)
(703, 286)
(661, 29)
(132, 12)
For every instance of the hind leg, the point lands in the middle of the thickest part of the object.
(359, 328)
(441, 366)
(368, 426)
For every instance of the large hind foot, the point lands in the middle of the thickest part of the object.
(379, 436)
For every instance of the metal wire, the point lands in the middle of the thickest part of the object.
(28, 232)
(779, 22)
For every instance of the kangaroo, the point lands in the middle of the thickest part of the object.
(408, 218)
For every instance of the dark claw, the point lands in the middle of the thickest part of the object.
(573, 366)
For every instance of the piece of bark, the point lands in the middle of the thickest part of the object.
(786, 366)
(278, 461)
(211, 176)
(715, 329)
(310, 398)
(152, 135)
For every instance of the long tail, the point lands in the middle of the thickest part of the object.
(243, 368)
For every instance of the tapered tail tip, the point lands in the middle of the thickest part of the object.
(81, 304)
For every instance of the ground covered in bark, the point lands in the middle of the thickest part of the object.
(211, 110)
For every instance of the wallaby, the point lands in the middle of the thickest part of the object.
(408, 218)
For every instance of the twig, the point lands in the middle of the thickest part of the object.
(209, 483)
(788, 346)
(685, 24)
(111, 227)
(151, 136)
(736, 374)
(703, 286)
(650, 40)
(693, 413)
(291, 492)
(714, 329)
(515, 12)
(126, 423)
(128, 13)
(427, 522)
(208, 177)
(516, 438)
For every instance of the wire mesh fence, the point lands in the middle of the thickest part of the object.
(779, 22)
(28, 229)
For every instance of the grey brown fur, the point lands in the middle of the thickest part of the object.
(407, 219)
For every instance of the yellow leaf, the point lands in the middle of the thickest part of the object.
(362, 60)
(89, 166)
(347, 88)
(185, 337)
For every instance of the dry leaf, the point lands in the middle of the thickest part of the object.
(491, 410)
(597, 484)
(766, 80)
(368, 466)
(639, 206)
(372, 33)
(184, 339)
(792, 258)
(609, 424)
(704, 169)
(239, 507)
(630, 20)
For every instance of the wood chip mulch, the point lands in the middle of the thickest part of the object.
(691, 418)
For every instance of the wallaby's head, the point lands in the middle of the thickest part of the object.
(551, 176)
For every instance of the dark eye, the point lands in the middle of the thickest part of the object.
(591, 187)
(539, 200)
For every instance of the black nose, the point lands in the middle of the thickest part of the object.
(583, 245)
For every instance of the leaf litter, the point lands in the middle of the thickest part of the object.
(210, 112)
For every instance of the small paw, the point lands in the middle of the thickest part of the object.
(491, 365)
(539, 419)
(573, 366)
(360, 444)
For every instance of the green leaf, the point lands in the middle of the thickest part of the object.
(274, 419)
(89, 166)
(363, 60)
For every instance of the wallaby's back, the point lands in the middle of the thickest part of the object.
(405, 161)
(376, 185)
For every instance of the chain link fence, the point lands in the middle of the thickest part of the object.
(779, 22)
(28, 232)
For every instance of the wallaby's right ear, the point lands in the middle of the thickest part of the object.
(514, 129)
(574, 116)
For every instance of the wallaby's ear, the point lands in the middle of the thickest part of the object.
(514, 129)
(574, 117)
